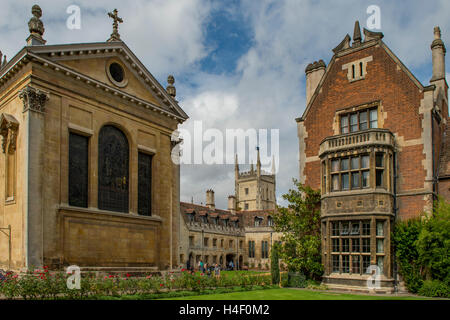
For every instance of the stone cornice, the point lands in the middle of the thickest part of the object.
(67, 52)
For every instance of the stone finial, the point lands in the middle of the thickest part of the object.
(437, 32)
(171, 90)
(115, 36)
(437, 42)
(345, 44)
(36, 27)
(33, 99)
(4, 61)
(357, 34)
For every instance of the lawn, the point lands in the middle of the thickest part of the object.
(294, 294)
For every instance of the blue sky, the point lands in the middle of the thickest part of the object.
(237, 63)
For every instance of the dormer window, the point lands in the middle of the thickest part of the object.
(258, 221)
(359, 120)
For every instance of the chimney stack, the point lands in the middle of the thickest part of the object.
(232, 204)
(210, 203)
(314, 73)
(438, 52)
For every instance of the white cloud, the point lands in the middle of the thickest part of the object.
(267, 89)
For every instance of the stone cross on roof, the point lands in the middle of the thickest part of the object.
(115, 36)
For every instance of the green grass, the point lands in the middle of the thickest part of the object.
(293, 294)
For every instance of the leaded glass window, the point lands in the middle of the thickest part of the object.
(113, 170)
(145, 184)
(78, 170)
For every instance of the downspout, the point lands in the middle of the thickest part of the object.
(395, 271)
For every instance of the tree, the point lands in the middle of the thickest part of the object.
(433, 244)
(300, 225)
(274, 264)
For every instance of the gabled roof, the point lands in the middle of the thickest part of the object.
(371, 39)
(51, 55)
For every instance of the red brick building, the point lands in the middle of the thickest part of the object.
(373, 140)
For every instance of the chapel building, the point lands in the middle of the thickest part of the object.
(86, 169)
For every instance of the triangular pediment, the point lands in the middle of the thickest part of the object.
(94, 60)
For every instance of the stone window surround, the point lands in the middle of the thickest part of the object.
(9, 131)
(326, 182)
(354, 68)
(72, 128)
(108, 64)
(374, 255)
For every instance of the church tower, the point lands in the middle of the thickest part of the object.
(255, 189)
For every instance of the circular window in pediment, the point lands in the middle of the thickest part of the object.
(116, 74)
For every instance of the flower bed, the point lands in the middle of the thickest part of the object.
(44, 284)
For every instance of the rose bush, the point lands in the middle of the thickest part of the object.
(43, 284)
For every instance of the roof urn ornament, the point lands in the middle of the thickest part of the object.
(171, 90)
(115, 36)
(36, 27)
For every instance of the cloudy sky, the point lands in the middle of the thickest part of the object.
(237, 64)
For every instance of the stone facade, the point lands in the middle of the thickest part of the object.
(220, 236)
(255, 189)
(48, 93)
(370, 139)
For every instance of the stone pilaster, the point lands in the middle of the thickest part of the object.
(34, 101)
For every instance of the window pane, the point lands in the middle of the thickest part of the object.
(355, 264)
(366, 245)
(335, 245)
(355, 228)
(355, 180)
(345, 181)
(345, 228)
(113, 170)
(380, 229)
(366, 263)
(364, 162)
(363, 120)
(344, 164)
(345, 245)
(379, 174)
(144, 184)
(334, 165)
(380, 263)
(366, 229)
(365, 179)
(335, 182)
(355, 163)
(335, 263)
(355, 245)
(353, 122)
(345, 264)
(380, 246)
(335, 228)
(379, 160)
(344, 124)
(373, 118)
(78, 170)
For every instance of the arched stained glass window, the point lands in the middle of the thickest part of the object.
(113, 170)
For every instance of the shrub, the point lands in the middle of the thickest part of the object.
(275, 268)
(297, 280)
(435, 288)
(433, 244)
(404, 238)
